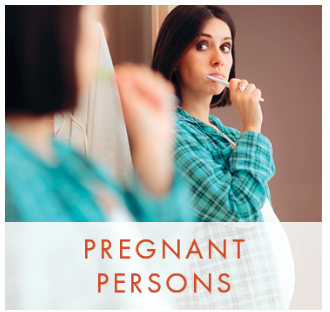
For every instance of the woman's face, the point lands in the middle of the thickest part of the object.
(210, 55)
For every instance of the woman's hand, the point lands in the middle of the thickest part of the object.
(246, 104)
(144, 95)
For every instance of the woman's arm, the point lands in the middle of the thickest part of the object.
(154, 193)
(233, 189)
(144, 95)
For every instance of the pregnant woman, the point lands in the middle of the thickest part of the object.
(49, 62)
(227, 170)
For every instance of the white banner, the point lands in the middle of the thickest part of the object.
(163, 266)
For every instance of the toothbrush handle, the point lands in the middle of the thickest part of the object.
(226, 84)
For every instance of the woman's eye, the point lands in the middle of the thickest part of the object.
(225, 48)
(202, 46)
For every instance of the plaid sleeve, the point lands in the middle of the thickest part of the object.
(230, 190)
(145, 207)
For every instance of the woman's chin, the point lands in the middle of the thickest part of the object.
(216, 90)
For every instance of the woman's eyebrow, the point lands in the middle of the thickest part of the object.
(209, 36)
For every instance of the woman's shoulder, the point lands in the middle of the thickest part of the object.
(37, 190)
(187, 122)
(187, 128)
(20, 158)
(181, 116)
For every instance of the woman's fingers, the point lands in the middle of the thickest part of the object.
(146, 98)
(245, 99)
(233, 84)
(242, 85)
(256, 93)
(140, 82)
(250, 88)
(238, 86)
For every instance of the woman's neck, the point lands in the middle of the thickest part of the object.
(197, 106)
(36, 132)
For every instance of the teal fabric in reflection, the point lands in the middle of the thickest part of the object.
(72, 188)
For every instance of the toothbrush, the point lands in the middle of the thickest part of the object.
(226, 84)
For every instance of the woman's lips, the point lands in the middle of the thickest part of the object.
(219, 76)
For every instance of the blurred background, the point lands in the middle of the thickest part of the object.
(279, 48)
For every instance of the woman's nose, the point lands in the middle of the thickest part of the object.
(217, 58)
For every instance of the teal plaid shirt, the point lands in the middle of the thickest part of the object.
(70, 190)
(228, 184)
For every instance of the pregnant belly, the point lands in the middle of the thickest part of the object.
(282, 250)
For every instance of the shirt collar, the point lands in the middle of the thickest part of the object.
(185, 116)
(232, 133)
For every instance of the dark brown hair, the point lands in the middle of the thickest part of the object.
(176, 36)
(40, 51)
